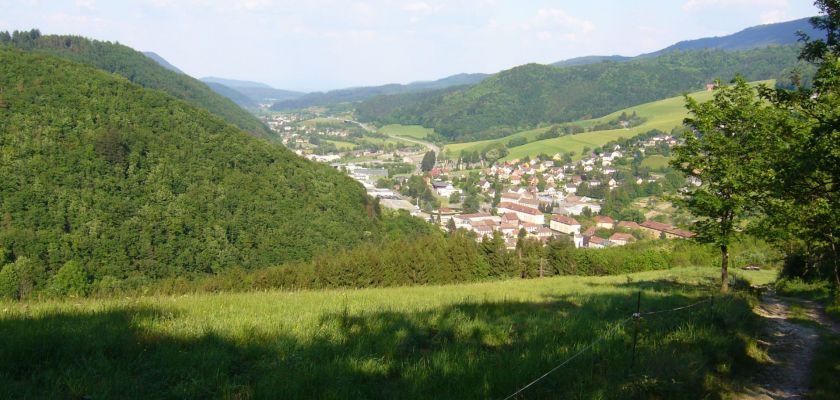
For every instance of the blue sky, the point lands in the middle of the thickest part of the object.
(327, 44)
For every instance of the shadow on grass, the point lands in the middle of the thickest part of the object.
(464, 351)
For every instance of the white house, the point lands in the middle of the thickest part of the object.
(620, 239)
(524, 213)
(596, 242)
(602, 221)
(564, 224)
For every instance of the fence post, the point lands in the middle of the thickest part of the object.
(636, 316)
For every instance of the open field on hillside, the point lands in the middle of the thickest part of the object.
(412, 131)
(341, 145)
(663, 115)
(329, 121)
(656, 161)
(471, 341)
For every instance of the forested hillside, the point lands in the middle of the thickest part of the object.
(133, 183)
(526, 96)
(236, 96)
(367, 92)
(140, 69)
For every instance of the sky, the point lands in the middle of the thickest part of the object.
(326, 44)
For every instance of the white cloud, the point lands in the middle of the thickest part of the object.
(692, 5)
(773, 16)
(88, 4)
(422, 7)
(554, 23)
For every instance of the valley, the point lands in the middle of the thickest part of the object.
(322, 216)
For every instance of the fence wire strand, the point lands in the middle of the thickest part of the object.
(600, 338)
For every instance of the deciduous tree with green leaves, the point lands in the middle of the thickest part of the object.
(428, 161)
(723, 150)
(804, 202)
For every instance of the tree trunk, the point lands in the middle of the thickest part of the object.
(724, 268)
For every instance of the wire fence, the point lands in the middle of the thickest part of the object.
(636, 316)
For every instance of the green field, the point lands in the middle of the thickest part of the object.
(411, 131)
(663, 115)
(471, 341)
(656, 161)
(341, 145)
(323, 121)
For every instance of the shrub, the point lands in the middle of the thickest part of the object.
(107, 286)
(8, 282)
(815, 290)
(70, 280)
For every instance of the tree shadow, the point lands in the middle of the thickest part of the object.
(468, 350)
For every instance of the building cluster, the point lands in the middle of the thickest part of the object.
(281, 122)
(520, 212)
(387, 197)
(542, 198)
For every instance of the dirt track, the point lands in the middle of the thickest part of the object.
(791, 347)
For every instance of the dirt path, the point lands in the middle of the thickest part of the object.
(791, 347)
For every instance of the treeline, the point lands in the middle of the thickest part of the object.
(525, 96)
(413, 255)
(135, 185)
(622, 121)
(138, 68)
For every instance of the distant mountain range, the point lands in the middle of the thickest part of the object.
(249, 94)
(368, 92)
(777, 34)
(524, 97)
(233, 83)
(163, 63)
(246, 94)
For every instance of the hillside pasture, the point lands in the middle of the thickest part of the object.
(469, 341)
(663, 115)
(656, 161)
(410, 131)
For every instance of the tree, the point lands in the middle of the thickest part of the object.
(455, 197)
(817, 50)
(722, 151)
(471, 203)
(804, 203)
(428, 162)
(450, 225)
(8, 282)
(70, 280)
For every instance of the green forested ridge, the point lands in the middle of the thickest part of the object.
(367, 92)
(526, 96)
(140, 69)
(236, 96)
(132, 183)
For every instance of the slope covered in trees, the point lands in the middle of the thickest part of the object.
(162, 61)
(133, 183)
(236, 96)
(140, 69)
(257, 92)
(367, 92)
(526, 96)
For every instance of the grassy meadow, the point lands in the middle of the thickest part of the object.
(410, 131)
(469, 341)
(656, 161)
(663, 115)
(341, 145)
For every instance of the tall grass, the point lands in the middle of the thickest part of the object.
(467, 341)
